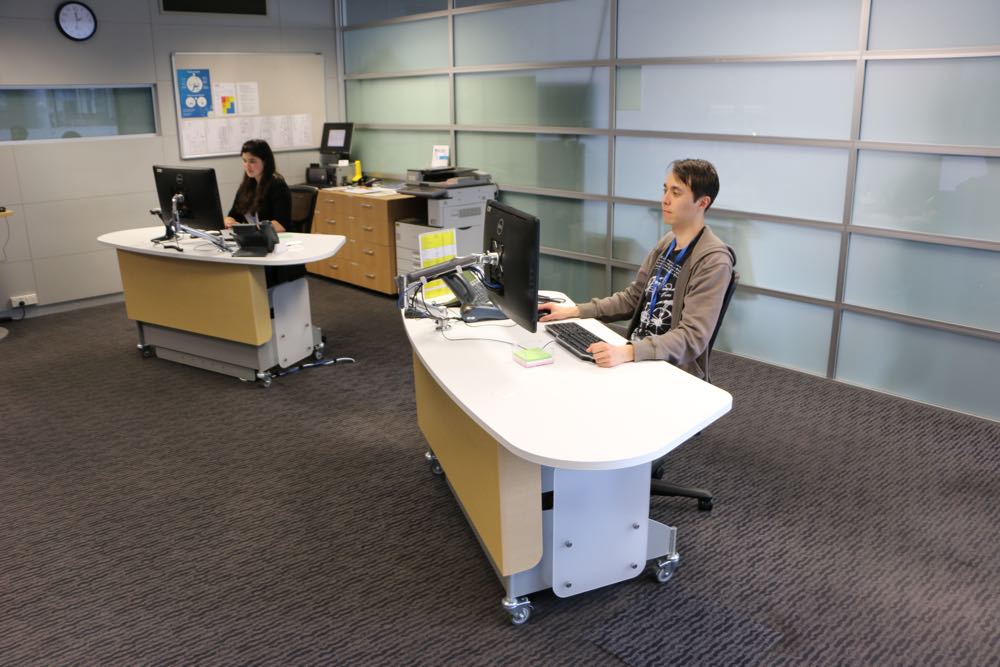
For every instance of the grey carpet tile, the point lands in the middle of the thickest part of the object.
(155, 514)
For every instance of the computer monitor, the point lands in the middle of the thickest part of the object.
(513, 282)
(336, 139)
(201, 208)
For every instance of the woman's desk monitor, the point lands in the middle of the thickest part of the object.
(201, 207)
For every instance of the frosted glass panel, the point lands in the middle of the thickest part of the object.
(956, 285)
(378, 100)
(581, 281)
(787, 258)
(621, 278)
(952, 101)
(904, 24)
(567, 224)
(782, 332)
(392, 152)
(946, 369)
(935, 194)
(637, 229)
(730, 27)
(365, 11)
(397, 48)
(560, 161)
(766, 99)
(794, 181)
(554, 31)
(574, 97)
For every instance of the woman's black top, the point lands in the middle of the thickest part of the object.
(277, 204)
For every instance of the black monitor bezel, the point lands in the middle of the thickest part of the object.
(348, 129)
(201, 197)
(513, 284)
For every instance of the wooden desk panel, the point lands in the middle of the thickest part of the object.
(500, 492)
(226, 301)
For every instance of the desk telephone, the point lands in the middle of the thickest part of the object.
(472, 299)
(255, 240)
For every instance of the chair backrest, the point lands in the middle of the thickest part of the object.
(303, 206)
(733, 281)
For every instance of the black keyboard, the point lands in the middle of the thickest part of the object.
(573, 337)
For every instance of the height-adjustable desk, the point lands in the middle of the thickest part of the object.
(551, 465)
(206, 308)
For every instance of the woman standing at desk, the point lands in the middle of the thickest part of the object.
(263, 191)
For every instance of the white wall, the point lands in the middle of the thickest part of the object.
(65, 193)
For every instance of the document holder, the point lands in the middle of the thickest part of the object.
(255, 240)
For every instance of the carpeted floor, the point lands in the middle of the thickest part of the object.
(152, 513)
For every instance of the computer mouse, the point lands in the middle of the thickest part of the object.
(542, 313)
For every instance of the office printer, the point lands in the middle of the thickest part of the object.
(456, 196)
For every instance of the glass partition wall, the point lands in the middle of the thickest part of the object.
(856, 141)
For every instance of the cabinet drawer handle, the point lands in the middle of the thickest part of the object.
(368, 251)
(331, 201)
(335, 266)
(368, 228)
(370, 275)
(365, 205)
(331, 222)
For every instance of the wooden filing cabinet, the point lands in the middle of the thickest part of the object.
(368, 258)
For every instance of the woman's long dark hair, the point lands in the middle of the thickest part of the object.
(249, 196)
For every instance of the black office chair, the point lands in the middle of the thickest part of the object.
(303, 207)
(660, 488)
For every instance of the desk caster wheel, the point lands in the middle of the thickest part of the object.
(318, 351)
(265, 379)
(434, 463)
(666, 567)
(518, 608)
(147, 351)
(704, 504)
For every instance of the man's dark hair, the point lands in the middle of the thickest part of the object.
(699, 175)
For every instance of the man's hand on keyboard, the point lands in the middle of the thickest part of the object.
(607, 355)
(557, 312)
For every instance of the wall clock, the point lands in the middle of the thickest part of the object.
(76, 20)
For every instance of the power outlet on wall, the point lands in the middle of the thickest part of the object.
(26, 299)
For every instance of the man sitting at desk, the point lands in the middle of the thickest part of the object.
(675, 298)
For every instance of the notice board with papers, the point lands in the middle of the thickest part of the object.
(223, 99)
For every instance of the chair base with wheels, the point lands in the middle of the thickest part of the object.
(660, 488)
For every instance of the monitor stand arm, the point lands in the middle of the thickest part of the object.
(449, 271)
(175, 226)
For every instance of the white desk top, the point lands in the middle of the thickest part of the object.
(568, 414)
(302, 248)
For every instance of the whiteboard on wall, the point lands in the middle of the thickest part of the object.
(223, 99)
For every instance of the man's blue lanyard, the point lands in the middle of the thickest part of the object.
(659, 282)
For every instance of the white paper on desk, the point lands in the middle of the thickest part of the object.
(437, 247)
